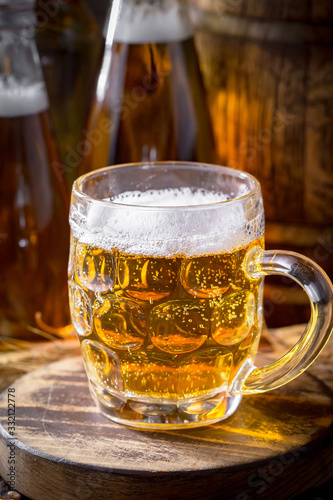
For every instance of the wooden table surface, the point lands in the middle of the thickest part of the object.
(277, 445)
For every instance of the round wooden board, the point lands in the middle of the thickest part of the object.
(277, 445)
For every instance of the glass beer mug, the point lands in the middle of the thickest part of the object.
(166, 281)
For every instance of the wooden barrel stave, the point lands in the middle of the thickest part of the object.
(268, 70)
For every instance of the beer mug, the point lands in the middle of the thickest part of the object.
(166, 282)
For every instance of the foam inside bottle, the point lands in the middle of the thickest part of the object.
(158, 22)
(20, 98)
(166, 223)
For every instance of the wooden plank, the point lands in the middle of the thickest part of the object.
(268, 72)
(319, 11)
(278, 444)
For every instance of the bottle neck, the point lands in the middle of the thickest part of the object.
(150, 21)
(22, 87)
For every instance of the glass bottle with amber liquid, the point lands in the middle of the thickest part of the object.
(69, 43)
(34, 233)
(149, 101)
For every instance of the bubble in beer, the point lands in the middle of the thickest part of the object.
(80, 307)
(119, 323)
(245, 349)
(205, 370)
(102, 364)
(94, 268)
(209, 276)
(179, 326)
(232, 317)
(147, 279)
(147, 373)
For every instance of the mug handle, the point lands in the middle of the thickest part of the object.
(320, 292)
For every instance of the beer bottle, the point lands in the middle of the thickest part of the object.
(34, 232)
(149, 96)
(69, 43)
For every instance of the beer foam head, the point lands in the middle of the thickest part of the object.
(155, 22)
(21, 98)
(165, 223)
(180, 197)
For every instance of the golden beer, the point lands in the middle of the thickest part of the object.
(177, 327)
(33, 212)
(163, 330)
(165, 277)
(150, 99)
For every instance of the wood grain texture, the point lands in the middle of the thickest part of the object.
(272, 111)
(18, 358)
(277, 445)
(269, 87)
(318, 11)
(268, 71)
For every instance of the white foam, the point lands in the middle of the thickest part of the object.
(152, 23)
(149, 230)
(19, 98)
(183, 197)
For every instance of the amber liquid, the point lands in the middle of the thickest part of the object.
(170, 328)
(33, 228)
(153, 108)
(69, 45)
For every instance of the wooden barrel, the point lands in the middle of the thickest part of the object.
(268, 69)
